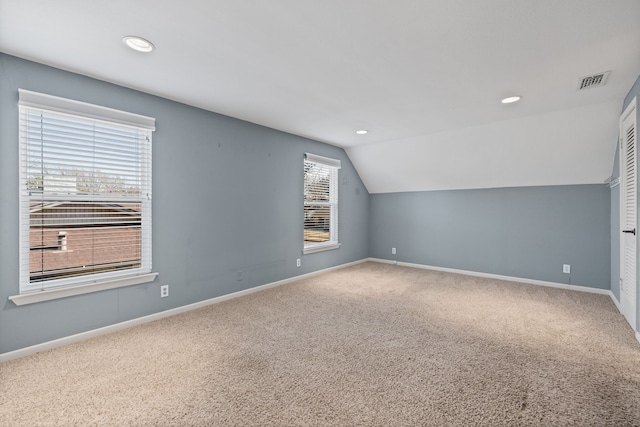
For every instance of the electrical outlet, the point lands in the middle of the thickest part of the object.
(566, 268)
(164, 291)
(239, 275)
(393, 251)
(298, 262)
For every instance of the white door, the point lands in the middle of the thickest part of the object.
(628, 212)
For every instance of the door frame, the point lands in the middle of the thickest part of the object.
(630, 110)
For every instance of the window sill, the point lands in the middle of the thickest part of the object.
(39, 296)
(320, 248)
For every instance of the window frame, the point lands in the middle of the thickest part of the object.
(333, 166)
(34, 102)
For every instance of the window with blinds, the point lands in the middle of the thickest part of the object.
(320, 203)
(85, 193)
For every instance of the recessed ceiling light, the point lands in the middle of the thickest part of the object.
(362, 132)
(511, 99)
(138, 43)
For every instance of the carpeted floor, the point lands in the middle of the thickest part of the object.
(369, 345)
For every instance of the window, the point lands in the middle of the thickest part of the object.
(85, 195)
(320, 203)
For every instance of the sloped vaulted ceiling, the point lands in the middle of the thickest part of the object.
(425, 78)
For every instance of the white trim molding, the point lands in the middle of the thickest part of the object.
(509, 279)
(39, 296)
(311, 249)
(615, 301)
(43, 101)
(4, 357)
(497, 277)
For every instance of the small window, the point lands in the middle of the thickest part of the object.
(85, 193)
(320, 203)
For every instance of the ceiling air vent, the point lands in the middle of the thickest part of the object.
(593, 81)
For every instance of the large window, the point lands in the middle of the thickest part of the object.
(85, 194)
(320, 203)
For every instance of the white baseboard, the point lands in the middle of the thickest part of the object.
(509, 279)
(617, 304)
(615, 301)
(497, 277)
(4, 357)
(172, 312)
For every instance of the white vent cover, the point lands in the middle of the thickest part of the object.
(593, 81)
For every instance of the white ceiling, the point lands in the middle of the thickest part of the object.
(424, 77)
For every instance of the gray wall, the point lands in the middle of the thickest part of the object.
(526, 232)
(615, 210)
(227, 197)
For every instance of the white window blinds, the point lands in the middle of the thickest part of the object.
(85, 192)
(320, 203)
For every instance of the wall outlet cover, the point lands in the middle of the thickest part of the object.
(566, 268)
(164, 291)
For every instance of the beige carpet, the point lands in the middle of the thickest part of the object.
(372, 344)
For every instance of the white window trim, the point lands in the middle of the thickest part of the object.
(50, 294)
(334, 244)
(327, 161)
(61, 288)
(320, 247)
(78, 108)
